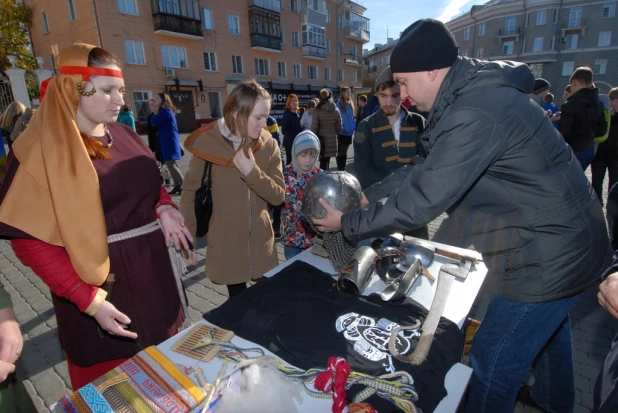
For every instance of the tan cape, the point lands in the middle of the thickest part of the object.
(54, 196)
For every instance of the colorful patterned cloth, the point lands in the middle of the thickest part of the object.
(294, 230)
(146, 383)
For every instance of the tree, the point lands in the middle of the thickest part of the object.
(15, 19)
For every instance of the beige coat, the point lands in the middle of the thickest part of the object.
(240, 237)
(326, 123)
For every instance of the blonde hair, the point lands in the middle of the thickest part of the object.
(10, 115)
(240, 104)
(343, 101)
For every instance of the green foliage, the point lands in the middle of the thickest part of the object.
(15, 19)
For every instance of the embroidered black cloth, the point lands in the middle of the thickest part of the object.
(299, 315)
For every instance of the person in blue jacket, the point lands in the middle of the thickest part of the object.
(126, 116)
(344, 138)
(165, 121)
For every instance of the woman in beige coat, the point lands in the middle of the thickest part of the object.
(246, 176)
(326, 124)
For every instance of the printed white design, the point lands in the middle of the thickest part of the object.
(370, 338)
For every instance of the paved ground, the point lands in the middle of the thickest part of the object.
(44, 369)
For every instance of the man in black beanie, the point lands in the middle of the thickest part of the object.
(496, 164)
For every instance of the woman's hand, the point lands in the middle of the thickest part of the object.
(11, 341)
(555, 118)
(113, 321)
(173, 225)
(364, 201)
(243, 163)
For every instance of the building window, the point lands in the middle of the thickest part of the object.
(175, 57)
(327, 73)
(313, 35)
(555, 16)
(541, 17)
(507, 47)
(295, 6)
(261, 67)
(312, 72)
(352, 76)
(600, 65)
(575, 17)
(297, 73)
(340, 75)
(482, 28)
(45, 23)
(553, 43)
(264, 22)
(233, 24)
(141, 98)
(568, 68)
(605, 38)
(207, 19)
(467, 33)
(127, 7)
(135, 52)
(214, 100)
(479, 53)
(236, 64)
(510, 25)
(538, 44)
(52, 61)
(327, 15)
(340, 49)
(210, 62)
(352, 51)
(72, 10)
(537, 70)
(609, 10)
(571, 41)
(281, 67)
(295, 39)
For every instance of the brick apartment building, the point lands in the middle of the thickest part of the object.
(197, 50)
(553, 37)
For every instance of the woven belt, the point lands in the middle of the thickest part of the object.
(134, 233)
(178, 263)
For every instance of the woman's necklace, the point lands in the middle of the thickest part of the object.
(108, 135)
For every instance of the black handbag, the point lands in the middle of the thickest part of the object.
(203, 202)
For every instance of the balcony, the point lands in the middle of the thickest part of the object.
(353, 61)
(272, 5)
(509, 33)
(356, 33)
(313, 17)
(574, 25)
(314, 52)
(178, 19)
(266, 43)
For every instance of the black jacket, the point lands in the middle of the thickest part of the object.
(582, 119)
(376, 152)
(499, 166)
(290, 127)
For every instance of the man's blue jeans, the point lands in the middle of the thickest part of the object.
(511, 338)
(585, 157)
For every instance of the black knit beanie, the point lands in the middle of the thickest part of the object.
(540, 86)
(425, 45)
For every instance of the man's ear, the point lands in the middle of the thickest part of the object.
(432, 74)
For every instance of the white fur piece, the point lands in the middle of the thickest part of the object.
(262, 388)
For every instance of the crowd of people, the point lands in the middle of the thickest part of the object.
(95, 222)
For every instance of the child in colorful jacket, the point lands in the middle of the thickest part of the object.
(296, 234)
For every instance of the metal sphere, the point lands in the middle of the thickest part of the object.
(340, 189)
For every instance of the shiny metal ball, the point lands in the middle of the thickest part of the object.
(340, 189)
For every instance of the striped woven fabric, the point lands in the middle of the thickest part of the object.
(146, 383)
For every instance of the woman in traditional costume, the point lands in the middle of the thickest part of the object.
(246, 176)
(83, 205)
